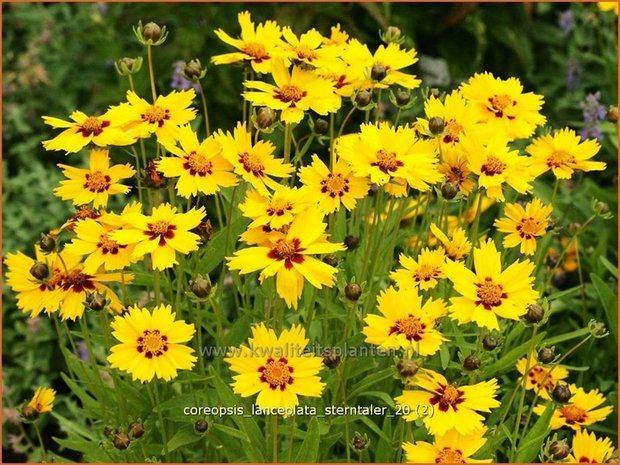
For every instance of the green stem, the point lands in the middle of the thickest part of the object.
(332, 157)
(43, 451)
(274, 438)
(288, 131)
(162, 426)
(149, 53)
(204, 108)
(474, 237)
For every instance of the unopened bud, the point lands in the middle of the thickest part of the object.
(151, 31)
(47, 243)
(331, 358)
(360, 442)
(353, 291)
(95, 301)
(201, 426)
(449, 190)
(378, 72)
(363, 98)
(612, 114)
(321, 126)
(403, 97)
(433, 92)
(407, 368)
(265, 117)
(351, 242)
(194, 70)
(127, 66)
(535, 313)
(392, 34)
(597, 329)
(489, 342)
(40, 270)
(108, 431)
(471, 362)
(30, 413)
(546, 355)
(436, 125)
(136, 429)
(331, 260)
(559, 449)
(561, 393)
(205, 231)
(121, 441)
(200, 287)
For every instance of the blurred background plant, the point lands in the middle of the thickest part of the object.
(58, 57)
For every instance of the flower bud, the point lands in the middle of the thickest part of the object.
(597, 329)
(200, 287)
(353, 291)
(108, 431)
(194, 70)
(449, 190)
(95, 301)
(535, 313)
(136, 429)
(433, 92)
(127, 66)
(612, 114)
(489, 342)
(151, 34)
(204, 230)
(552, 260)
(121, 441)
(561, 393)
(546, 354)
(331, 358)
(392, 34)
(265, 117)
(573, 228)
(200, 426)
(601, 208)
(47, 243)
(471, 362)
(351, 242)
(436, 125)
(40, 270)
(151, 31)
(360, 442)
(321, 126)
(30, 413)
(403, 97)
(559, 449)
(407, 368)
(378, 72)
(363, 98)
(331, 260)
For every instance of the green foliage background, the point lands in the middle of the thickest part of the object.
(59, 57)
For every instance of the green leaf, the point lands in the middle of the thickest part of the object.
(385, 447)
(610, 266)
(531, 443)
(232, 432)
(309, 450)
(216, 248)
(184, 436)
(369, 381)
(609, 299)
(444, 356)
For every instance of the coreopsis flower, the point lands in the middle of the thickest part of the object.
(274, 210)
(454, 167)
(253, 162)
(161, 234)
(451, 447)
(294, 93)
(199, 166)
(332, 188)
(580, 411)
(104, 131)
(405, 322)
(383, 68)
(587, 448)
(93, 241)
(151, 343)
(61, 285)
(490, 293)
(608, 6)
(162, 118)
(345, 78)
(337, 37)
(289, 257)
(383, 153)
(258, 45)
(563, 153)
(425, 272)
(95, 184)
(502, 104)
(42, 401)
(459, 118)
(540, 378)
(308, 48)
(524, 224)
(453, 407)
(457, 247)
(276, 367)
(496, 164)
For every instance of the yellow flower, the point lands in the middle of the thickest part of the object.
(459, 118)
(580, 411)
(344, 78)
(391, 59)
(540, 378)
(455, 168)
(294, 93)
(405, 323)
(93, 241)
(384, 153)
(563, 152)
(332, 188)
(490, 292)
(162, 234)
(258, 45)
(423, 273)
(43, 400)
(104, 130)
(289, 257)
(524, 224)
(308, 48)
(608, 6)
(94, 184)
(457, 247)
(277, 368)
(586, 448)
(495, 164)
(199, 166)
(337, 38)
(275, 210)
(450, 447)
(151, 343)
(503, 106)
(59, 289)
(162, 118)
(254, 163)
(447, 406)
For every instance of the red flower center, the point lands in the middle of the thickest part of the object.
(287, 250)
(276, 373)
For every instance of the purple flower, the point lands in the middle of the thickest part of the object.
(179, 82)
(573, 74)
(82, 350)
(566, 21)
(593, 114)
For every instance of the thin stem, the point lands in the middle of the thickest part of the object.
(288, 131)
(149, 53)
(274, 438)
(204, 108)
(43, 451)
(332, 158)
(162, 426)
